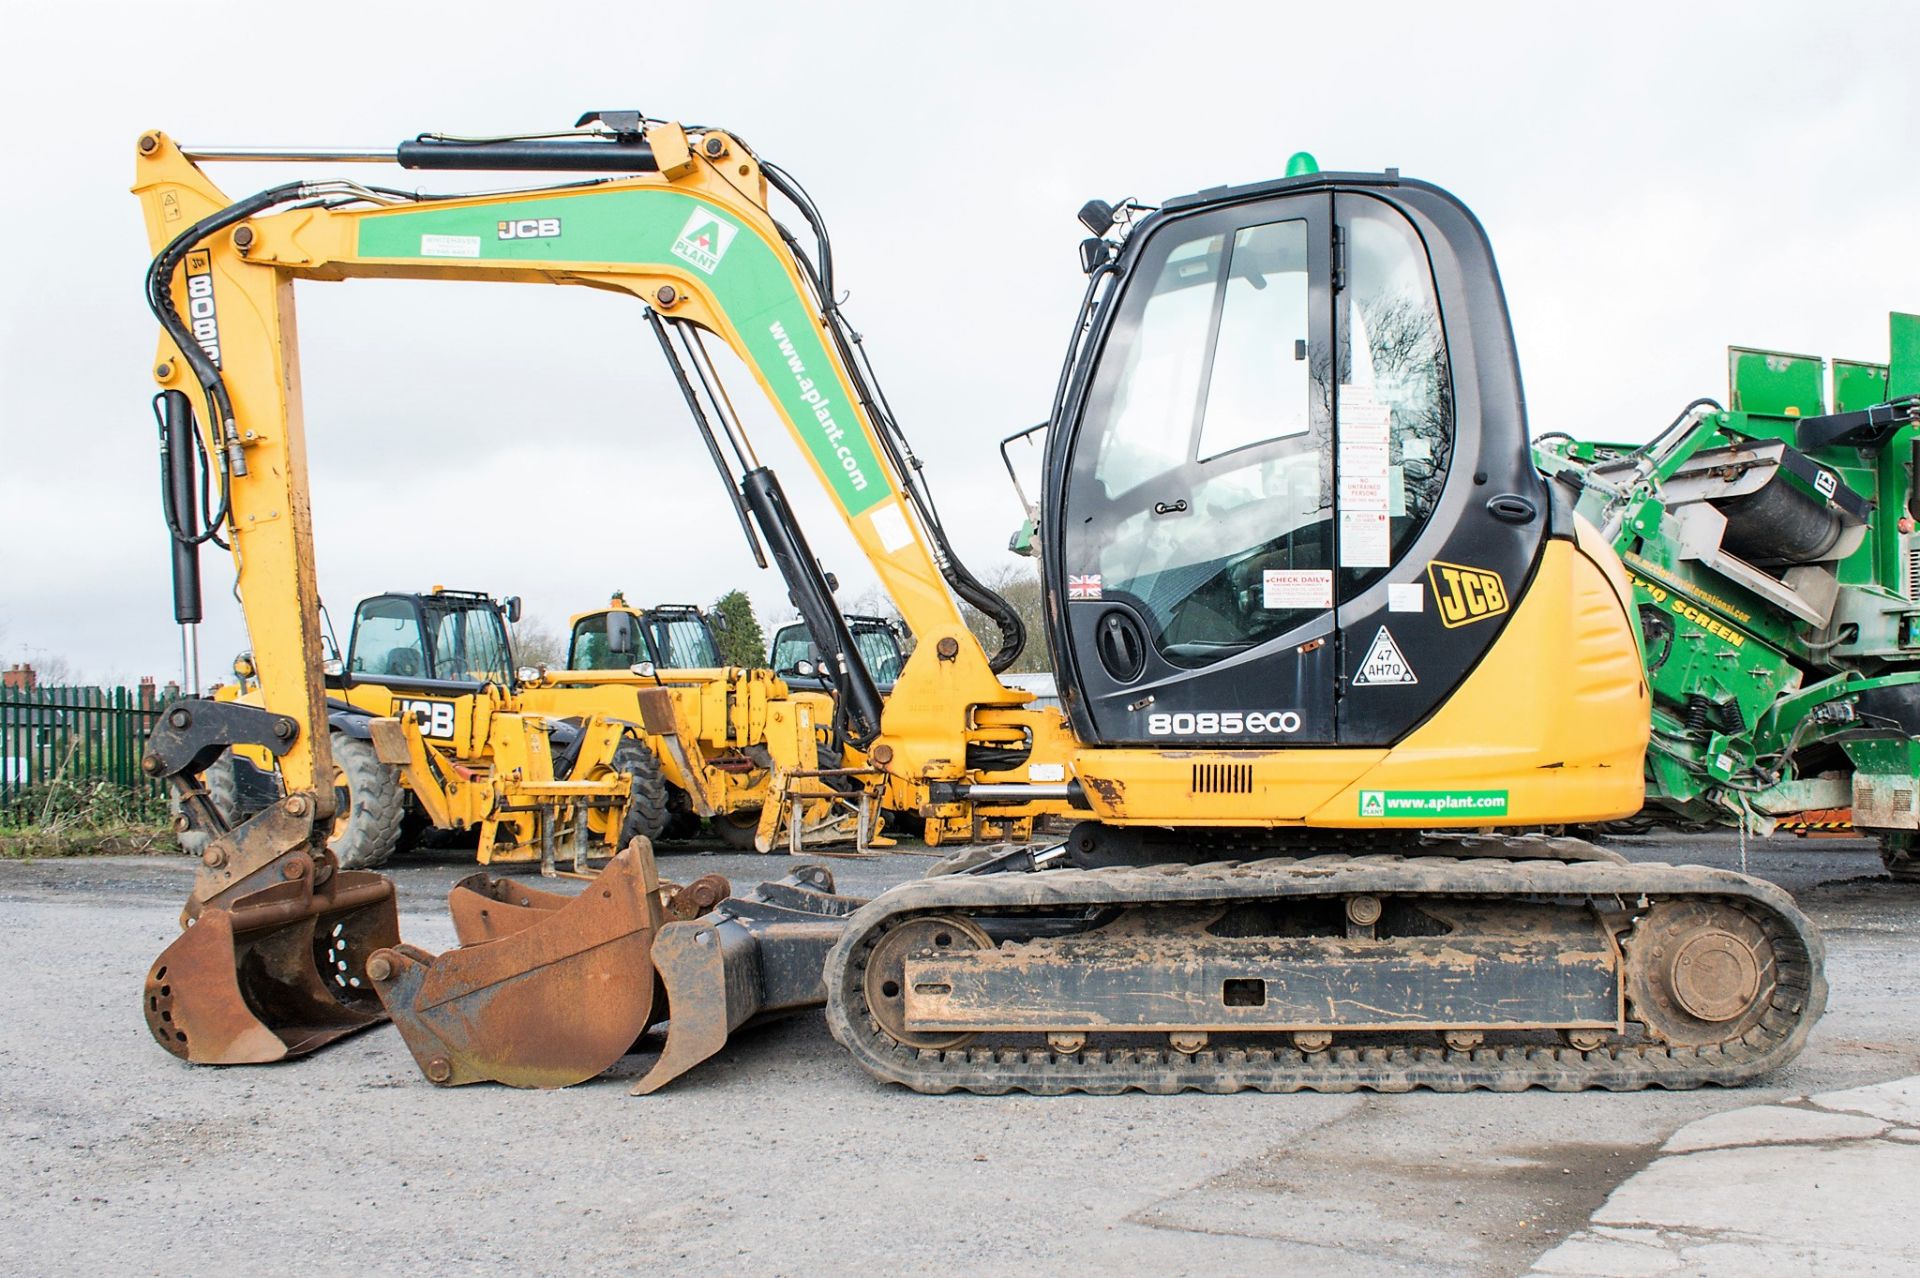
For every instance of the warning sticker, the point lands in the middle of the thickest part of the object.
(1296, 588)
(1384, 664)
(1406, 596)
(1366, 539)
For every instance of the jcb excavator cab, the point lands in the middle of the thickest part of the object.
(1288, 496)
(796, 659)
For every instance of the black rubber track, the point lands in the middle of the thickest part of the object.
(1799, 998)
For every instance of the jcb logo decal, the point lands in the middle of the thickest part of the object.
(435, 717)
(530, 228)
(1466, 595)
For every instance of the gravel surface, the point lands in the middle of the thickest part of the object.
(782, 1156)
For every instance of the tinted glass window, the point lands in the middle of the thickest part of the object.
(591, 649)
(880, 653)
(1202, 488)
(387, 641)
(469, 644)
(792, 646)
(1396, 395)
(684, 644)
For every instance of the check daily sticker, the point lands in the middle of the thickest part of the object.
(1296, 588)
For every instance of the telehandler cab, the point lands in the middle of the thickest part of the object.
(1317, 623)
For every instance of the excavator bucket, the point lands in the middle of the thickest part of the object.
(273, 974)
(271, 959)
(554, 990)
(486, 909)
(548, 990)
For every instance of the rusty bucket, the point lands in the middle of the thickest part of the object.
(550, 990)
(274, 973)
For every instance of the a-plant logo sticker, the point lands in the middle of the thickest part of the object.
(1464, 594)
(704, 240)
(530, 228)
(1385, 804)
(200, 314)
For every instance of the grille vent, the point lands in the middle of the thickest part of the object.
(1913, 569)
(1223, 778)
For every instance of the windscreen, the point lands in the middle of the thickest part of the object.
(590, 647)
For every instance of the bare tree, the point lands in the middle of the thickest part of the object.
(1019, 585)
(537, 644)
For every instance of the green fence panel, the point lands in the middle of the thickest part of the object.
(62, 746)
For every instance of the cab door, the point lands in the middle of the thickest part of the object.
(1197, 504)
(1441, 514)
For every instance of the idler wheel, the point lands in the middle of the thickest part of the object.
(885, 978)
(1698, 972)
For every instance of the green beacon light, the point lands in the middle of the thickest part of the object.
(1302, 164)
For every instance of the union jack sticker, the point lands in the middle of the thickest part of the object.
(1084, 585)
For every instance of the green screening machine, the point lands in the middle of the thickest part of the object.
(1776, 568)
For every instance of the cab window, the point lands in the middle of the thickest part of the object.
(590, 649)
(387, 640)
(1396, 419)
(1202, 484)
(469, 645)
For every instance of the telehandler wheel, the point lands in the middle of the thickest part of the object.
(369, 805)
(682, 821)
(737, 828)
(647, 813)
(222, 780)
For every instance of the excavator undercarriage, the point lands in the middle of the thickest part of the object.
(1328, 973)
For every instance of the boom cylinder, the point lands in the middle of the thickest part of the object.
(177, 474)
(529, 154)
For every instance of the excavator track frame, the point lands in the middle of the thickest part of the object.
(990, 1065)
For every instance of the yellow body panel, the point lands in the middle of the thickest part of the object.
(1555, 719)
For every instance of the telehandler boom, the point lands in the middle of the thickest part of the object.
(1309, 602)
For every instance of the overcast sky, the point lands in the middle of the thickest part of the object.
(1658, 182)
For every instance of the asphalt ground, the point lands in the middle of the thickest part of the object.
(780, 1155)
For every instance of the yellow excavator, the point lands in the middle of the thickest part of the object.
(1320, 633)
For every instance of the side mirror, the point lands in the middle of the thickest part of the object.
(645, 669)
(512, 609)
(619, 632)
(719, 622)
(1094, 254)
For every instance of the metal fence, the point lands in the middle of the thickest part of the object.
(65, 746)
